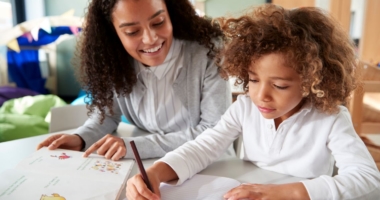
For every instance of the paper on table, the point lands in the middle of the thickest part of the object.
(65, 174)
(199, 187)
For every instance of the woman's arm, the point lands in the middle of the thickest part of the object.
(92, 131)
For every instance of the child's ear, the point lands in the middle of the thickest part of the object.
(305, 94)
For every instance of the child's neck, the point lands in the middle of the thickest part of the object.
(279, 120)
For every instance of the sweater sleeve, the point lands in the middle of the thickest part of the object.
(215, 100)
(196, 155)
(93, 131)
(358, 177)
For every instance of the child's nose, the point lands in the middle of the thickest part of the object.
(263, 94)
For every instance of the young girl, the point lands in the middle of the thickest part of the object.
(298, 67)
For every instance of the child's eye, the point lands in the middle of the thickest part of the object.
(280, 87)
(159, 23)
(253, 80)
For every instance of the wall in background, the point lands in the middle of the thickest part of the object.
(34, 9)
(58, 7)
(67, 85)
(217, 8)
(357, 20)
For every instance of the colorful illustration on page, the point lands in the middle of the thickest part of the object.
(106, 166)
(53, 196)
(62, 156)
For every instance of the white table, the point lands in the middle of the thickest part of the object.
(12, 152)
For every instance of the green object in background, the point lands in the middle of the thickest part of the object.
(27, 116)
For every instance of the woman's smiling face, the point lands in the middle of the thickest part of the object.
(144, 28)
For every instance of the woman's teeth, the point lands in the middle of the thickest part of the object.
(152, 50)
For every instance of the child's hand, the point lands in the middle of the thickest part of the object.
(257, 191)
(137, 189)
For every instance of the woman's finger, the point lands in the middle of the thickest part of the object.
(48, 141)
(95, 146)
(111, 151)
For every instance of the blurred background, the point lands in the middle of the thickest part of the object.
(38, 40)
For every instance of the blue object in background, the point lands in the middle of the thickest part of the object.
(24, 70)
(81, 100)
(24, 67)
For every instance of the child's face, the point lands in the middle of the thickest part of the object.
(274, 88)
(144, 28)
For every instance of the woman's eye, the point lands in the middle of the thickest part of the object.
(253, 80)
(131, 33)
(159, 23)
(281, 87)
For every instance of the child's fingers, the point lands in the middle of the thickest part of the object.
(136, 188)
(143, 189)
(241, 192)
(156, 190)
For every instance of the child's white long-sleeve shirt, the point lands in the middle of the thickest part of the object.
(304, 145)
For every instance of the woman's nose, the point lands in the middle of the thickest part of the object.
(149, 37)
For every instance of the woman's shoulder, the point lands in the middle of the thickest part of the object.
(193, 46)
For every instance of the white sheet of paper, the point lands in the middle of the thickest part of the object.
(199, 187)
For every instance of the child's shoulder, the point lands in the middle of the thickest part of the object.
(244, 102)
(342, 114)
(243, 99)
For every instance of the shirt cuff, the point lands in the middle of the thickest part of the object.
(318, 189)
(178, 165)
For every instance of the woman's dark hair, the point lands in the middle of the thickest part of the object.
(105, 67)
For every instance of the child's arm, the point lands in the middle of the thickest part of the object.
(358, 177)
(257, 191)
(196, 155)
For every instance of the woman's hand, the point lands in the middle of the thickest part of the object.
(63, 141)
(258, 191)
(111, 147)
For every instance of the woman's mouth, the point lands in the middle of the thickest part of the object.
(154, 49)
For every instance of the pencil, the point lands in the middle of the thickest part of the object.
(141, 166)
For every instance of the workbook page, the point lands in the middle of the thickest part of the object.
(19, 185)
(71, 163)
(199, 187)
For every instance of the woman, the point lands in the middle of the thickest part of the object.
(152, 65)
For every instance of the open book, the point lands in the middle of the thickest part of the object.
(199, 187)
(63, 175)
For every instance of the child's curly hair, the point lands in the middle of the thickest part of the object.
(105, 66)
(312, 43)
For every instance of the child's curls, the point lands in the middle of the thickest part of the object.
(312, 43)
